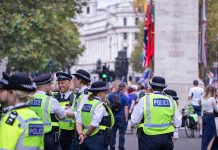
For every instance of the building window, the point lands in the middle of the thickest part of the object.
(124, 21)
(125, 36)
(136, 36)
(136, 21)
(87, 10)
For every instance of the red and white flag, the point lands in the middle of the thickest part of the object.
(148, 43)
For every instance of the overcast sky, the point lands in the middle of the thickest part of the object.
(104, 3)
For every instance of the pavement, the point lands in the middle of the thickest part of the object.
(183, 143)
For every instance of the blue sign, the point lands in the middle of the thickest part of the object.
(36, 129)
(35, 102)
(160, 102)
(86, 108)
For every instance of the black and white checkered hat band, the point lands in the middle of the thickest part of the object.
(27, 86)
(158, 84)
(82, 76)
(44, 82)
(99, 89)
(63, 77)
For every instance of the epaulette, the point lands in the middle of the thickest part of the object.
(86, 92)
(12, 117)
(148, 93)
(54, 93)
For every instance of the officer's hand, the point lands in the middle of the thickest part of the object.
(82, 137)
(69, 113)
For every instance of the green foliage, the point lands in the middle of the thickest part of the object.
(136, 56)
(212, 30)
(36, 32)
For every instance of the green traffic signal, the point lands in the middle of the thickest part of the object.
(104, 75)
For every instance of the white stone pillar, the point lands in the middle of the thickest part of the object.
(176, 44)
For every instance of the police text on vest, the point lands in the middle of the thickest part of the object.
(160, 102)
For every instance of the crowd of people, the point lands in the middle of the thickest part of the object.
(81, 115)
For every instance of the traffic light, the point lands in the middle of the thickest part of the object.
(104, 74)
(111, 76)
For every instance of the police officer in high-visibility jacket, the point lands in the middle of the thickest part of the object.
(81, 81)
(178, 117)
(65, 96)
(20, 128)
(95, 119)
(49, 110)
(3, 95)
(154, 115)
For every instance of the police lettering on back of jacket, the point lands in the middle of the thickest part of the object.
(154, 116)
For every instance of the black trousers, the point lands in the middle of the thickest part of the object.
(75, 142)
(94, 142)
(49, 142)
(155, 142)
(66, 139)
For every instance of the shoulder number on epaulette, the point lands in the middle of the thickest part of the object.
(86, 92)
(12, 117)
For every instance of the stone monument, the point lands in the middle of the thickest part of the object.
(176, 44)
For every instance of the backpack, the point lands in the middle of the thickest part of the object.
(192, 122)
(115, 103)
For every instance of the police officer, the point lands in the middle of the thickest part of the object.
(81, 82)
(3, 95)
(95, 118)
(154, 115)
(178, 117)
(65, 97)
(49, 110)
(20, 128)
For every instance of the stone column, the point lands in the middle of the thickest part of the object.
(176, 44)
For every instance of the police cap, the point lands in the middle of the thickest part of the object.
(63, 76)
(43, 79)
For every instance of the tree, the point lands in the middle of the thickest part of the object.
(140, 5)
(211, 33)
(136, 56)
(212, 30)
(34, 33)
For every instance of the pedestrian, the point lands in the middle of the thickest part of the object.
(20, 128)
(95, 119)
(153, 115)
(142, 91)
(65, 97)
(119, 106)
(208, 104)
(195, 95)
(132, 97)
(49, 110)
(3, 95)
(178, 116)
(81, 82)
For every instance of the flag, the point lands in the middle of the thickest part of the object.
(203, 35)
(148, 43)
(145, 77)
(144, 50)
